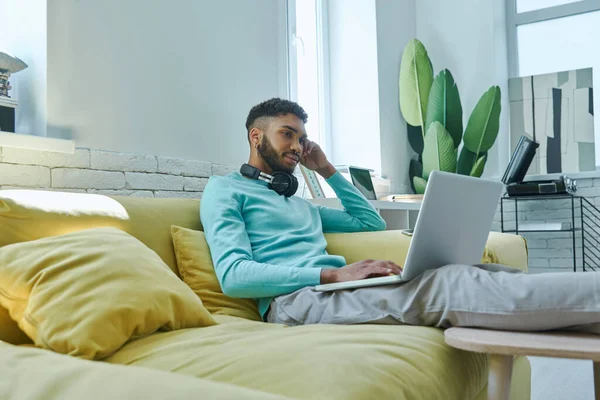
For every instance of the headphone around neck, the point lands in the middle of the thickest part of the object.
(281, 182)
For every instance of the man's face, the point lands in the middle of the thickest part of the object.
(282, 143)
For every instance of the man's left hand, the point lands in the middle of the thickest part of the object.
(314, 159)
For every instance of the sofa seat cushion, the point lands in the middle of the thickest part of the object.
(317, 361)
(62, 377)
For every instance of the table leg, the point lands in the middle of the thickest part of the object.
(499, 377)
(597, 380)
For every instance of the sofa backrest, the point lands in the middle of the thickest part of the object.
(29, 215)
(33, 214)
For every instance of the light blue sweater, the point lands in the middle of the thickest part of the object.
(264, 245)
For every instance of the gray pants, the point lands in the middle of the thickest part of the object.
(484, 295)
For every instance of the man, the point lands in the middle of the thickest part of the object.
(270, 247)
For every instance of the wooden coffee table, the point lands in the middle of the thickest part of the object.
(503, 346)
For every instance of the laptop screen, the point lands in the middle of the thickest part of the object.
(361, 179)
(520, 161)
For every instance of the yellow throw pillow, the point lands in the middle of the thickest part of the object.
(197, 270)
(87, 293)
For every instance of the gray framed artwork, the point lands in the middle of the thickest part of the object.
(557, 111)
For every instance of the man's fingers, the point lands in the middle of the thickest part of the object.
(388, 266)
(305, 148)
(397, 269)
(380, 270)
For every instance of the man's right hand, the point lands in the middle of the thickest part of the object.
(360, 270)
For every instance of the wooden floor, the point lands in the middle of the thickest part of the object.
(561, 379)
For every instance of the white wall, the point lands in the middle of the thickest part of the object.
(469, 38)
(353, 83)
(396, 25)
(164, 78)
(23, 34)
(366, 42)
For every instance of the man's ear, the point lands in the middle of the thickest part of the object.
(255, 136)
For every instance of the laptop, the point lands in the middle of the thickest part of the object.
(361, 179)
(452, 227)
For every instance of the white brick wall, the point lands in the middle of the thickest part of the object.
(194, 184)
(87, 179)
(106, 173)
(112, 161)
(552, 251)
(219, 169)
(175, 166)
(137, 180)
(24, 175)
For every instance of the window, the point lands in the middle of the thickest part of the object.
(560, 44)
(548, 36)
(531, 5)
(308, 67)
(552, 35)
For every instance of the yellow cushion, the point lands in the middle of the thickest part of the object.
(60, 377)
(197, 271)
(34, 214)
(501, 248)
(87, 293)
(9, 330)
(317, 361)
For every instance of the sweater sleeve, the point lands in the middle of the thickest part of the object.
(358, 214)
(238, 274)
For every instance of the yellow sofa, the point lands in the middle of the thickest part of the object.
(239, 358)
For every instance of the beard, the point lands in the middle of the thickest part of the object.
(271, 157)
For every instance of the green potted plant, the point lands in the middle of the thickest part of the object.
(432, 109)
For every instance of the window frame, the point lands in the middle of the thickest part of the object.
(514, 20)
(324, 100)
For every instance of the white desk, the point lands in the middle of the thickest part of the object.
(397, 214)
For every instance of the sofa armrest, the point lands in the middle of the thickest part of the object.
(501, 248)
(507, 249)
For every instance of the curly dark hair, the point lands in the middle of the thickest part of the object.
(272, 108)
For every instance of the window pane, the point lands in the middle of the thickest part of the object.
(530, 5)
(559, 44)
(308, 64)
(563, 44)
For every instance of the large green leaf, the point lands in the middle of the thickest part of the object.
(445, 107)
(420, 184)
(477, 170)
(467, 160)
(415, 137)
(484, 122)
(439, 152)
(415, 169)
(414, 83)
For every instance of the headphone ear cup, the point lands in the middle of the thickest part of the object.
(284, 184)
(293, 187)
(280, 184)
